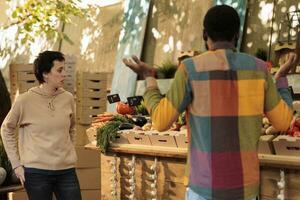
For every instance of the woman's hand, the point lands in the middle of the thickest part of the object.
(19, 171)
(139, 67)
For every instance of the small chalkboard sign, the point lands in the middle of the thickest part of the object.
(134, 101)
(113, 98)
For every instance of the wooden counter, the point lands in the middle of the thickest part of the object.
(171, 164)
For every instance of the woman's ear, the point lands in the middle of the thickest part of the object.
(45, 77)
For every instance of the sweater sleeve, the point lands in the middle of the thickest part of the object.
(72, 123)
(165, 110)
(8, 133)
(278, 103)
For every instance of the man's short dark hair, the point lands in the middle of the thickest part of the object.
(221, 23)
(44, 62)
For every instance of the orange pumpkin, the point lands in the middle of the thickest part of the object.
(124, 108)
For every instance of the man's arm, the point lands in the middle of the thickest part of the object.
(278, 105)
(165, 110)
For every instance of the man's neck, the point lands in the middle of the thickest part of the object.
(221, 45)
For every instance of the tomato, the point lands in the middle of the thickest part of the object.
(124, 108)
(297, 123)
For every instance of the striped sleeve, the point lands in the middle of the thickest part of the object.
(165, 110)
(277, 110)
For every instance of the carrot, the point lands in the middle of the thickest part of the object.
(106, 114)
(104, 119)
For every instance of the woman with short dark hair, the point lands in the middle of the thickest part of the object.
(46, 157)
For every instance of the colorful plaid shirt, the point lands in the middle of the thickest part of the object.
(225, 95)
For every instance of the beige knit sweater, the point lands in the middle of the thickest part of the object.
(46, 130)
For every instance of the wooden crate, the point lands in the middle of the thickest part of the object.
(91, 102)
(25, 76)
(24, 86)
(70, 71)
(85, 114)
(22, 78)
(21, 67)
(91, 95)
(89, 178)
(81, 137)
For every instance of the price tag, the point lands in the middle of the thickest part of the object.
(134, 101)
(113, 98)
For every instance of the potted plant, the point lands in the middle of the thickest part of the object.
(165, 74)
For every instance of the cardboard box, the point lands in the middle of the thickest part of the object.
(89, 178)
(165, 139)
(265, 144)
(87, 158)
(121, 138)
(181, 140)
(287, 145)
(138, 138)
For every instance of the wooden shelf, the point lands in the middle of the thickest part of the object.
(145, 150)
(289, 162)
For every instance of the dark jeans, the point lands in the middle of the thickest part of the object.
(41, 186)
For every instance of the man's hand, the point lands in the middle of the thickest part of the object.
(139, 67)
(287, 66)
(19, 171)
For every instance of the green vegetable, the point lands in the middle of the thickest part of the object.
(141, 109)
(181, 119)
(109, 132)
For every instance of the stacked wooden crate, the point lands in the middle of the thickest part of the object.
(70, 71)
(88, 172)
(90, 101)
(22, 78)
(91, 96)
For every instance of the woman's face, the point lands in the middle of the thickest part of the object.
(56, 76)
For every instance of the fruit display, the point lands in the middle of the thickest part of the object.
(295, 129)
(124, 108)
(107, 127)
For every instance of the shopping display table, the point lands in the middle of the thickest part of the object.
(170, 172)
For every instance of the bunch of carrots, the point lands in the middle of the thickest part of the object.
(101, 119)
